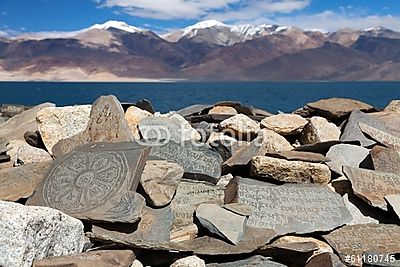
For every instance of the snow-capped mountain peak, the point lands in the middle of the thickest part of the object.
(207, 24)
(120, 25)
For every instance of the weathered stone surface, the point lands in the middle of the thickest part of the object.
(145, 105)
(221, 222)
(345, 155)
(173, 127)
(34, 139)
(205, 130)
(255, 261)
(289, 208)
(326, 260)
(136, 263)
(17, 126)
(193, 110)
(191, 261)
(20, 182)
(134, 116)
(358, 217)
(385, 160)
(57, 123)
(352, 131)
(266, 141)
(394, 106)
(184, 233)
(299, 155)
(337, 108)
(96, 182)
(394, 202)
(382, 137)
(254, 239)
(198, 161)
(241, 127)
(107, 123)
(357, 239)
(321, 246)
(189, 195)
(34, 233)
(238, 208)
(373, 186)
(223, 110)
(319, 130)
(10, 110)
(391, 119)
(285, 124)
(222, 144)
(159, 180)
(292, 253)
(22, 153)
(154, 226)
(289, 171)
(225, 179)
(98, 258)
(321, 148)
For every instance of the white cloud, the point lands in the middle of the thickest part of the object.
(226, 10)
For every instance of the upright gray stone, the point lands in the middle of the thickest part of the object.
(345, 155)
(198, 161)
(219, 221)
(96, 182)
(352, 131)
(34, 233)
(289, 208)
(107, 123)
(373, 186)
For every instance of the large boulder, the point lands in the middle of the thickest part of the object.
(285, 124)
(319, 130)
(57, 123)
(34, 233)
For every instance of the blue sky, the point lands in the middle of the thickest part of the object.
(18, 16)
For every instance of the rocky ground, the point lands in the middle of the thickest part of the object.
(221, 185)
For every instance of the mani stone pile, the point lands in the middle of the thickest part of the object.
(223, 185)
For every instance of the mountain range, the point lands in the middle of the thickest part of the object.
(209, 50)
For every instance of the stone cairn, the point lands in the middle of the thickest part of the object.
(113, 184)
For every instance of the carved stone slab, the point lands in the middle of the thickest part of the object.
(352, 131)
(385, 160)
(357, 239)
(373, 186)
(189, 195)
(107, 123)
(382, 137)
(289, 208)
(198, 161)
(96, 182)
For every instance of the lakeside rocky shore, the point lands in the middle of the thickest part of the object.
(222, 185)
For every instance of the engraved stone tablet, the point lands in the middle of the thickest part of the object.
(289, 208)
(385, 160)
(357, 239)
(198, 161)
(95, 182)
(189, 195)
(107, 123)
(373, 186)
(382, 137)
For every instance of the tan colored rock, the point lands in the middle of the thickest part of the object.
(136, 263)
(221, 138)
(240, 126)
(273, 142)
(22, 153)
(322, 246)
(394, 106)
(285, 124)
(57, 123)
(223, 110)
(159, 180)
(98, 258)
(191, 261)
(319, 130)
(17, 126)
(289, 171)
(134, 116)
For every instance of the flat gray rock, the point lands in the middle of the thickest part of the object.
(358, 217)
(221, 222)
(382, 137)
(193, 110)
(394, 202)
(326, 260)
(159, 180)
(107, 123)
(345, 155)
(198, 161)
(239, 208)
(373, 186)
(352, 131)
(358, 239)
(289, 208)
(33, 233)
(385, 160)
(96, 182)
(254, 261)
